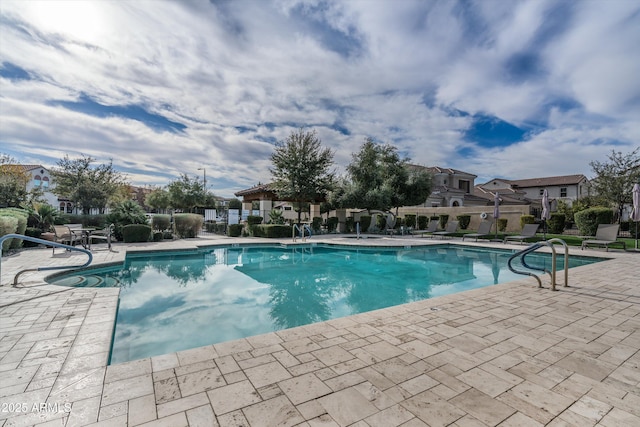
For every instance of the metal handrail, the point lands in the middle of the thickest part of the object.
(48, 243)
(301, 231)
(523, 253)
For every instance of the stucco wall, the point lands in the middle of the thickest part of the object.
(511, 212)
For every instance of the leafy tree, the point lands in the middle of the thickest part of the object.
(86, 186)
(301, 168)
(13, 182)
(378, 179)
(159, 199)
(614, 179)
(125, 213)
(235, 204)
(186, 193)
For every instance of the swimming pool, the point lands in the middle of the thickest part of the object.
(171, 301)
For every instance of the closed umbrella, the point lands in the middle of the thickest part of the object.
(496, 210)
(635, 214)
(546, 211)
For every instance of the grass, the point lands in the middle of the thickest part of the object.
(569, 239)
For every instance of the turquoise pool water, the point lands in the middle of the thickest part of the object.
(179, 300)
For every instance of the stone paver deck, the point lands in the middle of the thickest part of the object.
(507, 355)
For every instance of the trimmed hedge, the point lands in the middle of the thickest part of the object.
(254, 220)
(235, 230)
(422, 222)
(365, 222)
(502, 224)
(464, 221)
(316, 224)
(8, 225)
(588, 219)
(410, 220)
(332, 224)
(187, 224)
(32, 232)
(273, 230)
(161, 222)
(556, 223)
(444, 218)
(135, 233)
(22, 216)
(527, 219)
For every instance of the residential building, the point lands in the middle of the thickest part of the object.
(451, 187)
(567, 187)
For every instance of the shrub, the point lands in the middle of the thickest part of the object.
(275, 216)
(633, 226)
(161, 222)
(167, 235)
(32, 232)
(588, 219)
(527, 219)
(410, 220)
(134, 233)
(126, 213)
(464, 221)
(187, 225)
(316, 224)
(556, 223)
(235, 230)
(365, 222)
(381, 222)
(221, 228)
(399, 223)
(273, 230)
(444, 218)
(422, 222)
(22, 217)
(502, 224)
(349, 225)
(158, 236)
(8, 225)
(332, 224)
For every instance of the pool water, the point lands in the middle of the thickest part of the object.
(179, 300)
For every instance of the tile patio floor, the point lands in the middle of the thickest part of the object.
(507, 355)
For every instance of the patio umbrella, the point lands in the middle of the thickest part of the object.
(496, 210)
(635, 214)
(546, 211)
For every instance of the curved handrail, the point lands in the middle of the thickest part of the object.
(301, 231)
(48, 243)
(550, 243)
(522, 254)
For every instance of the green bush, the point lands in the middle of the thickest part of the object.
(161, 222)
(221, 228)
(464, 221)
(273, 230)
(444, 218)
(556, 223)
(350, 225)
(254, 220)
(316, 224)
(332, 224)
(167, 235)
(365, 222)
(410, 220)
(235, 230)
(158, 236)
(22, 216)
(399, 223)
(126, 213)
(32, 232)
(8, 225)
(422, 222)
(381, 222)
(135, 233)
(632, 229)
(527, 219)
(588, 219)
(187, 225)
(502, 224)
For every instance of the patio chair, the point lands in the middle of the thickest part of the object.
(431, 228)
(65, 235)
(605, 236)
(484, 229)
(528, 231)
(452, 227)
(104, 235)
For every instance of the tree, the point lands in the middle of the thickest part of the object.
(159, 199)
(13, 182)
(86, 186)
(301, 168)
(186, 193)
(378, 179)
(614, 179)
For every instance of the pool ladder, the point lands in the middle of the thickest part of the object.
(302, 232)
(550, 243)
(47, 243)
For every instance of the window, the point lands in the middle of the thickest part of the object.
(37, 181)
(45, 182)
(463, 184)
(563, 191)
(541, 191)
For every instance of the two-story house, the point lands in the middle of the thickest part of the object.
(450, 187)
(567, 187)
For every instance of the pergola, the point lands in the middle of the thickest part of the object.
(266, 196)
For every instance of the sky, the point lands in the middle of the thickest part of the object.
(500, 89)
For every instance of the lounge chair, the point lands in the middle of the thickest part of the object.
(484, 229)
(452, 227)
(65, 235)
(102, 235)
(605, 236)
(431, 228)
(528, 231)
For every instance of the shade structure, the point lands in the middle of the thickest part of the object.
(496, 210)
(546, 211)
(635, 214)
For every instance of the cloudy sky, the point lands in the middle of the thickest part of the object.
(511, 89)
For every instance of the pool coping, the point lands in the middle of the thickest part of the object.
(83, 336)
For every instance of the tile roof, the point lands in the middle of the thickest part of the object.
(547, 181)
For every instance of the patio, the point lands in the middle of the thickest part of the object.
(509, 355)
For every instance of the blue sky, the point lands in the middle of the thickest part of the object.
(510, 89)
